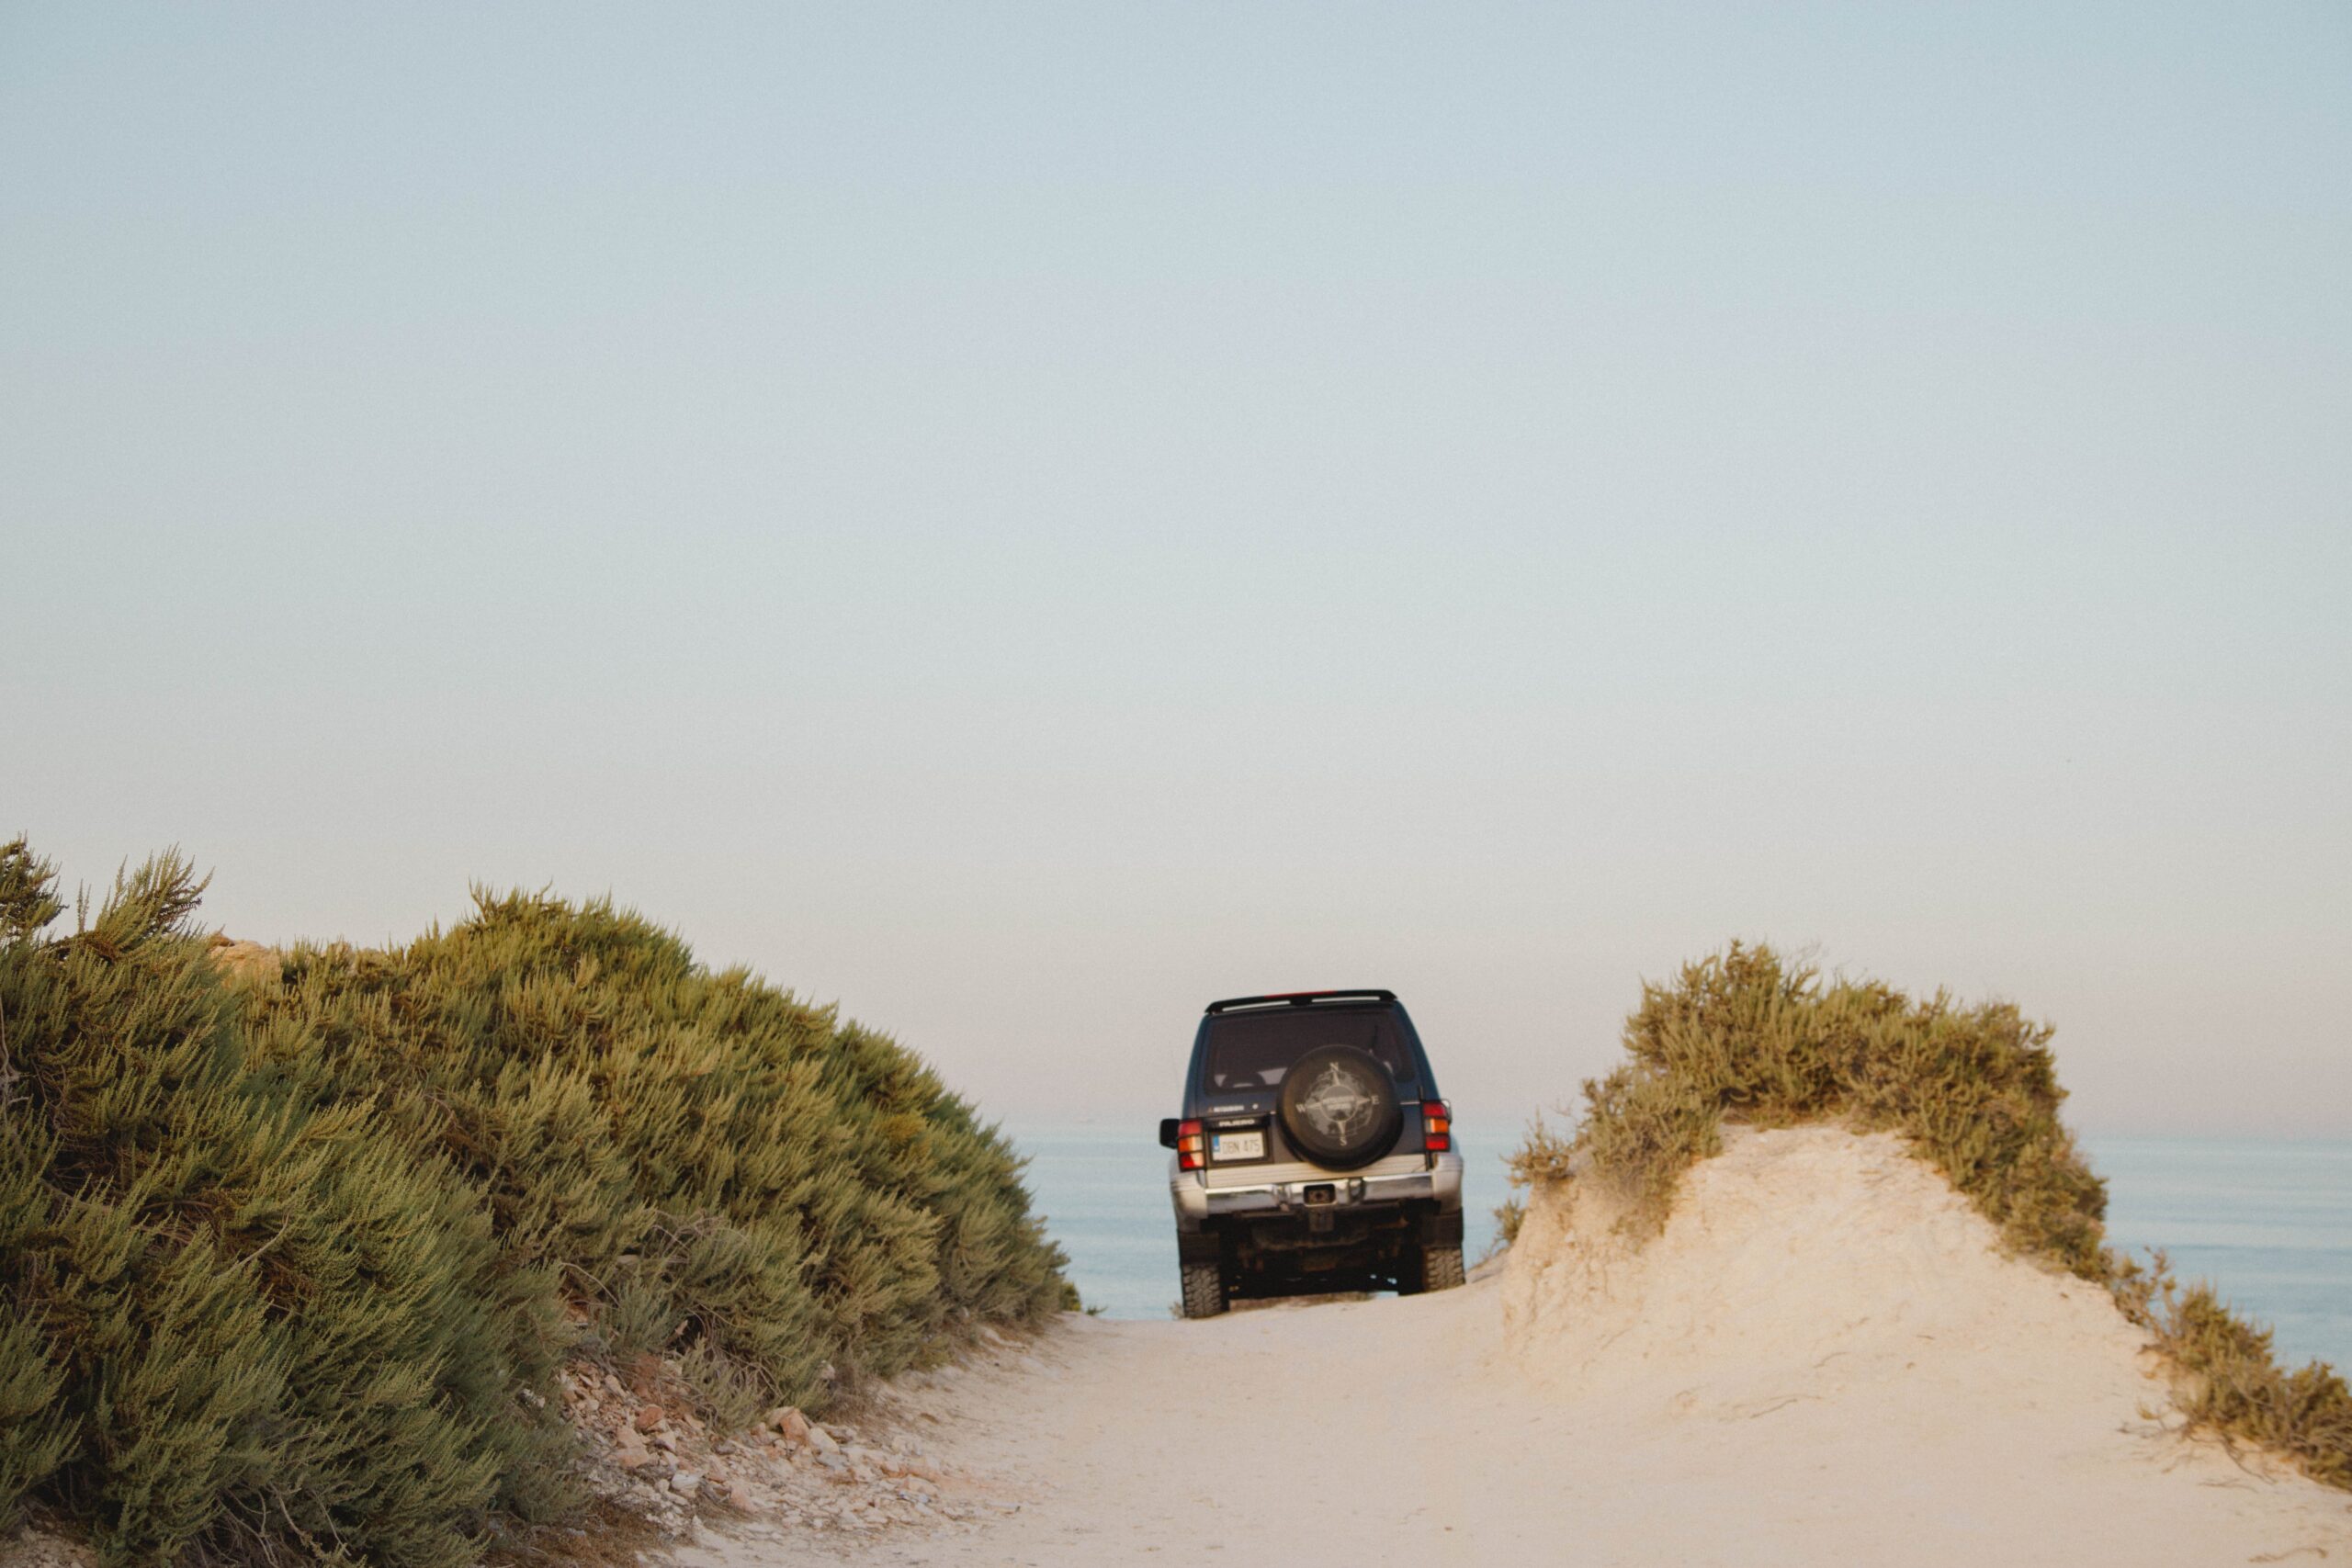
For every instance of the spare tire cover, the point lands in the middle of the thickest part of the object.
(1338, 1107)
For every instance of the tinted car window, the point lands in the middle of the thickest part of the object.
(1254, 1050)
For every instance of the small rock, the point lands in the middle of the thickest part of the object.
(821, 1440)
(739, 1497)
(686, 1483)
(647, 1417)
(789, 1423)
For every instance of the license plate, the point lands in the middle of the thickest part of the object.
(1238, 1146)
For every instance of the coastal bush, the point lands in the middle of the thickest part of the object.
(2227, 1380)
(1744, 1037)
(254, 1327)
(290, 1259)
(700, 1160)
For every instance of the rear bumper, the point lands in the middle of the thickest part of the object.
(1196, 1202)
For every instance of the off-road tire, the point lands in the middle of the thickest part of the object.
(1435, 1269)
(1205, 1288)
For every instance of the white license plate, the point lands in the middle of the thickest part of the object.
(1238, 1146)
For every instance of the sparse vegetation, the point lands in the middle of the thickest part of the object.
(289, 1258)
(1743, 1036)
(2227, 1380)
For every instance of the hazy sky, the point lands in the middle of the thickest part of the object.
(1025, 519)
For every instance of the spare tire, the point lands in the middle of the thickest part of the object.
(1338, 1107)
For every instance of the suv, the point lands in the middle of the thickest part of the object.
(1314, 1153)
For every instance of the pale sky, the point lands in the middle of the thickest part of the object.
(1025, 519)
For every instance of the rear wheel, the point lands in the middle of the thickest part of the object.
(1205, 1289)
(1433, 1268)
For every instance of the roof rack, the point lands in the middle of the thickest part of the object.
(1300, 999)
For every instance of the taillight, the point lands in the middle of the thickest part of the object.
(1437, 1126)
(1188, 1145)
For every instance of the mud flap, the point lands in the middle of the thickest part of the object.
(1440, 1229)
(1206, 1246)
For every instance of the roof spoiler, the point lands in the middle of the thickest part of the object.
(1300, 999)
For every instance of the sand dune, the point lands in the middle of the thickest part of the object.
(1824, 1358)
(1810, 1265)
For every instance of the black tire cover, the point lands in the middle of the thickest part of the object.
(1339, 1107)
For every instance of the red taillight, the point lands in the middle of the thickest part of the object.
(1188, 1145)
(1437, 1126)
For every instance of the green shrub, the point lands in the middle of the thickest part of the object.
(2226, 1380)
(255, 1325)
(288, 1261)
(698, 1158)
(1741, 1036)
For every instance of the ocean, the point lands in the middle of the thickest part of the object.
(2270, 1221)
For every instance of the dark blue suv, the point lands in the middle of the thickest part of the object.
(1314, 1152)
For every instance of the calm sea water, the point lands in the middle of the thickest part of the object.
(2270, 1222)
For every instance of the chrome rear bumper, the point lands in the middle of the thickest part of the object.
(1195, 1201)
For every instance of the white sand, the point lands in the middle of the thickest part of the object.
(1823, 1361)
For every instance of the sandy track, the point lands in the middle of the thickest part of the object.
(1824, 1359)
(1389, 1432)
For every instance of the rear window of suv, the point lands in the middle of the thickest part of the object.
(1253, 1050)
